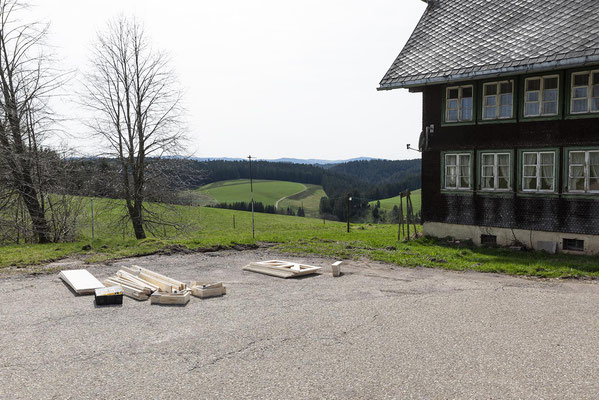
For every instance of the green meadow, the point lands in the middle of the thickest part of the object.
(210, 229)
(265, 191)
(309, 199)
(287, 194)
(387, 204)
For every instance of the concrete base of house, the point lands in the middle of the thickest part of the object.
(538, 240)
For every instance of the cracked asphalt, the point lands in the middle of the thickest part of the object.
(378, 331)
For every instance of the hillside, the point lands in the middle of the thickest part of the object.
(266, 192)
(380, 179)
(309, 199)
(387, 204)
(374, 179)
(277, 193)
(377, 171)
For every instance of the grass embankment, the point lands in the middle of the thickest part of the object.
(213, 228)
(387, 204)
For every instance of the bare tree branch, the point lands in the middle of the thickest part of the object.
(133, 94)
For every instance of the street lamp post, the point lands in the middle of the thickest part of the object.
(348, 200)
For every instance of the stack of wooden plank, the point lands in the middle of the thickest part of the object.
(134, 287)
(143, 284)
(164, 283)
(281, 269)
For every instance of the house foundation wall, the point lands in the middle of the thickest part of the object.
(510, 237)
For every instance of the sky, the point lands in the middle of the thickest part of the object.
(269, 78)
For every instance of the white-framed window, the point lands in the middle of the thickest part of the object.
(495, 171)
(583, 171)
(585, 92)
(541, 96)
(538, 171)
(458, 171)
(498, 100)
(458, 103)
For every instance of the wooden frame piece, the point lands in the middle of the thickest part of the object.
(204, 291)
(170, 298)
(281, 269)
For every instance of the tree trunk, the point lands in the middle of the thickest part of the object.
(135, 213)
(38, 219)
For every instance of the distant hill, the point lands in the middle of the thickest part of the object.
(377, 171)
(377, 179)
(310, 161)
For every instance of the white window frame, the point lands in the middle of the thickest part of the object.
(589, 88)
(538, 176)
(587, 170)
(459, 109)
(495, 187)
(497, 102)
(458, 167)
(541, 93)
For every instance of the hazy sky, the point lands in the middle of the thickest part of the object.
(273, 78)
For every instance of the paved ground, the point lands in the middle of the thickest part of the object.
(376, 332)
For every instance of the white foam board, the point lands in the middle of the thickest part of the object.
(81, 281)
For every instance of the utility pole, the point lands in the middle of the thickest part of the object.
(348, 200)
(93, 222)
(252, 189)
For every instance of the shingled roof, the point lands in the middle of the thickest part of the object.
(463, 39)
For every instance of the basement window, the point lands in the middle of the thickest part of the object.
(458, 170)
(541, 96)
(585, 92)
(498, 100)
(573, 245)
(458, 104)
(488, 240)
(583, 171)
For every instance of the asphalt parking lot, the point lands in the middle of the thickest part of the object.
(377, 332)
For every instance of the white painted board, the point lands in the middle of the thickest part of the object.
(81, 281)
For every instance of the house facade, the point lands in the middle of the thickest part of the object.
(510, 124)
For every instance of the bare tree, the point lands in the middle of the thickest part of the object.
(132, 92)
(26, 82)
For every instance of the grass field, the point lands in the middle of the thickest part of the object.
(387, 204)
(288, 194)
(309, 199)
(213, 228)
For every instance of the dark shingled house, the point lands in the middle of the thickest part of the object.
(510, 141)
